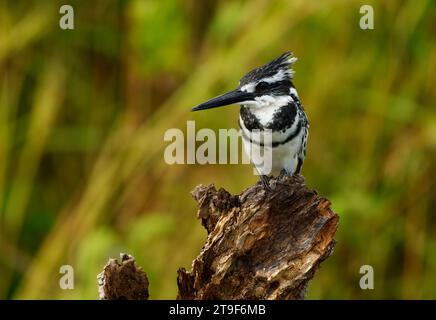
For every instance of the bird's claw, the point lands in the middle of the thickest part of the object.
(283, 173)
(265, 182)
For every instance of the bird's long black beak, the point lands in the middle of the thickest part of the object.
(225, 99)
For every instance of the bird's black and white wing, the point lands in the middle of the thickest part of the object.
(305, 127)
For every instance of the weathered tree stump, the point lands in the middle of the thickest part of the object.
(122, 280)
(261, 244)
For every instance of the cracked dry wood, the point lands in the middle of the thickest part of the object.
(122, 280)
(261, 244)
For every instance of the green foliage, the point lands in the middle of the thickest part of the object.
(83, 112)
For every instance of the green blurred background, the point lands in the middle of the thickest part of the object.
(83, 113)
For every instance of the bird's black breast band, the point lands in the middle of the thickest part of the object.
(275, 143)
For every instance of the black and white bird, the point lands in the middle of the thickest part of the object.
(269, 102)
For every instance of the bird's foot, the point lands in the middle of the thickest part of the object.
(284, 173)
(265, 182)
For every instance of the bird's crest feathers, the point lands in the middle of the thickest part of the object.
(278, 69)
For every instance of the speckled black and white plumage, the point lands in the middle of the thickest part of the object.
(277, 107)
(272, 68)
(273, 123)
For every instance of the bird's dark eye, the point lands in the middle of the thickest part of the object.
(262, 85)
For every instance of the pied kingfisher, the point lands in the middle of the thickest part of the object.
(269, 100)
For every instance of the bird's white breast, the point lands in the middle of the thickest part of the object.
(283, 156)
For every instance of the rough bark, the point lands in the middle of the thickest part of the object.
(122, 280)
(261, 244)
